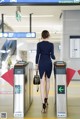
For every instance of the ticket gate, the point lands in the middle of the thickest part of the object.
(22, 95)
(60, 88)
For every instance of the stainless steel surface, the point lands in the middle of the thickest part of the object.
(61, 102)
(25, 81)
(19, 96)
(31, 83)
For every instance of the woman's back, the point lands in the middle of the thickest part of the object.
(45, 47)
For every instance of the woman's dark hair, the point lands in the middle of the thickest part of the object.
(45, 34)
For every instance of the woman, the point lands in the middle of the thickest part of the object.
(45, 51)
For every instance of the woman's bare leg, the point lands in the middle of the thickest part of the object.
(47, 86)
(47, 90)
(42, 88)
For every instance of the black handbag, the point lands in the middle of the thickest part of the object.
(36, 79)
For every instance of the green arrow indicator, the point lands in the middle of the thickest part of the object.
(61, 89)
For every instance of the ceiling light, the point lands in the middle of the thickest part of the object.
(4, 51)
(6, 16)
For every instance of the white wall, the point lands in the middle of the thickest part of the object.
(71, 27)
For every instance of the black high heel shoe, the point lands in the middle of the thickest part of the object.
(43, 108)
(46, 101)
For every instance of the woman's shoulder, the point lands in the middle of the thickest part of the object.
(40, 42)
(43, 42)
(50, 43)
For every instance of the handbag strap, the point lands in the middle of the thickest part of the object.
(36, 72)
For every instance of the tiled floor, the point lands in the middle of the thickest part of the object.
(6, 103)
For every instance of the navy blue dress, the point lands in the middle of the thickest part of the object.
(45, 51)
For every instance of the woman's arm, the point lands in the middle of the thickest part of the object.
(37, 53)
(52, 52)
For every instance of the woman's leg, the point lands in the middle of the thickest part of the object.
(42, 88)
(48, 86)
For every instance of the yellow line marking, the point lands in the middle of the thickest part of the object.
(40, 118)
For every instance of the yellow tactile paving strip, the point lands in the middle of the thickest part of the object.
(38, 118)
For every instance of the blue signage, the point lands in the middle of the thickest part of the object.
(18, 35)
(39, 1)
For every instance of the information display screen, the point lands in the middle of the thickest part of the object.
(37, 2)
(18, 35)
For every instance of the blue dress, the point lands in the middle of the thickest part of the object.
(45, 51)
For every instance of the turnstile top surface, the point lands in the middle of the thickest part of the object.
(21, 63)
(60, 63)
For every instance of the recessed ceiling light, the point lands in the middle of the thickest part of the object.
(11, 16)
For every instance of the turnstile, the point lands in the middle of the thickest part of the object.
(60, 88)
(22, 97)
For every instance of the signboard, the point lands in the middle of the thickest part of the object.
(61, 89)
(18, 16)
(4, 2)
(74, 46)
(18, 35)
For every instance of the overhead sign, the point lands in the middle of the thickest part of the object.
(18, 16)
(38, 1)
(61, 89)
(18, 35)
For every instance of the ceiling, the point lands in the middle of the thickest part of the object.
(43, 17)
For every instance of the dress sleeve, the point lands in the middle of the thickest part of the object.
(37, 53)
(52, 52)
